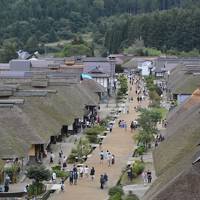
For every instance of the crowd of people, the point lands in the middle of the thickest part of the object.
(107, 157)
(79, 172)
(83, 171)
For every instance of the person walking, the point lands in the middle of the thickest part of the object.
(113, 159)
(60, 153)
(105, 176)
(62, 184)
(102, 181)
(6, 184)
(86, 171)
(51, 158)
(54, 177)
(71, 178)
(110, 128)
(92, 173)
(144, 176)
(75, 177)
(81, 171)
(101, 157)
(64, 163)
(109, 158)
(149, 176)
(132, 126)
(130, 174)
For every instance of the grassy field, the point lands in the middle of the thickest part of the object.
(86, 37)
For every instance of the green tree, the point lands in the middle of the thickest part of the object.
(76, 49)
(32, 44)
(148, 120)
(8, 51)
(38, 174)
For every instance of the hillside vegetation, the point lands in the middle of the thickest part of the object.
(29, 24)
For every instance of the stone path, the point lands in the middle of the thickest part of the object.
(121, 144)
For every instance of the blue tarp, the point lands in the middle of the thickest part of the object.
(86, 76)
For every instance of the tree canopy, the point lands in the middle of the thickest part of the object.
(115, 24)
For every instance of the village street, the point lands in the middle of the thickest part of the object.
(121, 144)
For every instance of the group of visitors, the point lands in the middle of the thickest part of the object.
(122, 124)
(147, 177)
(134, 125)
(159, 138)
(107, 156)
(81, 172)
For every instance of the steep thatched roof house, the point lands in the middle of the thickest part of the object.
(183, 80)
(37, 114)
(177, 158)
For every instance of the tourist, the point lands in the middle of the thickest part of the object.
(119, 123)
(132, 126)
(144, 176)
(51, 157)
(101, 181)
(149, 176)
(113, 159)
(62, 184)
(92, 173)
(75, 176)
(101, 157)
(109, 158)
(60, 153)
(54, 177)
(71, 178)
(81, 171)
(130, 173)
(86, 171)
(6, 184)
(110, 127)
(105, 177)
(64, 163)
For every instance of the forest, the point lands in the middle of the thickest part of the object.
(29, 24)
(176, 29)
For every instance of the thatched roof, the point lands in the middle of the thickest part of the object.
(2, 164)
(41, 117)
(49, 113)
(93, 86)
(178, 178)
(182, 82)
(131, 64)
(16, 133)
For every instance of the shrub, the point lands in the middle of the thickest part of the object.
(140, 150)
(83, 148)
(138, 167)
(61, 174)
(92, 138)
(131, 197)
(36, 189)
(38, 173)
(116, 189)
(116, 196)
(56, 167)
